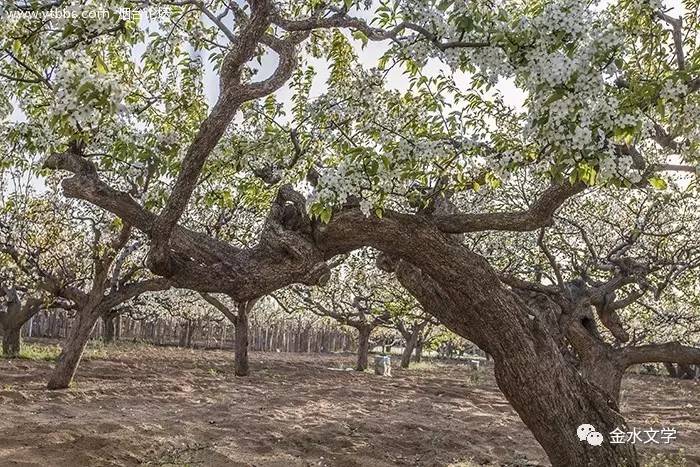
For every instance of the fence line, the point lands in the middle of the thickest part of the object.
(265, 334)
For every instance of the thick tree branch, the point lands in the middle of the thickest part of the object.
(216, 303)
(672, 352)
(340, 19)
(539, 214)
(133, 290)
(232, 95)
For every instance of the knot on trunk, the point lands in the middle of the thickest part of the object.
(163, 264)
(289, 211)
(288, 232)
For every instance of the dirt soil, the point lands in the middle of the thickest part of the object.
(165, 406)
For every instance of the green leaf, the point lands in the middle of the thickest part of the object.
(372, 168)
(326, 215)
(100, 65)
(361, 36)
(658, 183)
(226, 199)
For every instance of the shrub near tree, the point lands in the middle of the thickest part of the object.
(610, 99)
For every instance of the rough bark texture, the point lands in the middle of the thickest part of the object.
(550, 396)
(72, 351)
(598, 362)
(363, 348)
(11, 342)
(241, 328)
(606, 372)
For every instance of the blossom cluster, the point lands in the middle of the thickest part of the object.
(83, 95)
(563, 56)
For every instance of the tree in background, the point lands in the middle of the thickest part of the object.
(16, 312)
(415, 328)
(45, 241)
(352, 296)
(238, 314)
(32, 239)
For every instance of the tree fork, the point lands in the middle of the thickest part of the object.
(479, 306)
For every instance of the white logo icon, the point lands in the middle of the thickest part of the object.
(587, 432)
(583, 431)
(594, 438)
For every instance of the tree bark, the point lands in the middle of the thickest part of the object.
(12, 341)
(606, 373)
(598, 362)
(73, 349)
(363, 348)
(408, 349)
(418, 353)
(241, 329)
(548, 393)
(111, 331)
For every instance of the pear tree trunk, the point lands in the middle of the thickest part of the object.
(12, 341)
(363, 348)
(73, 349)
(418, 356)
(408, 350)
(241, 341)
(546, 390)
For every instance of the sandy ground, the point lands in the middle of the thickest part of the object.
(165, 406)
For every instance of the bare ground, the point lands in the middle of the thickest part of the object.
(166, 406)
